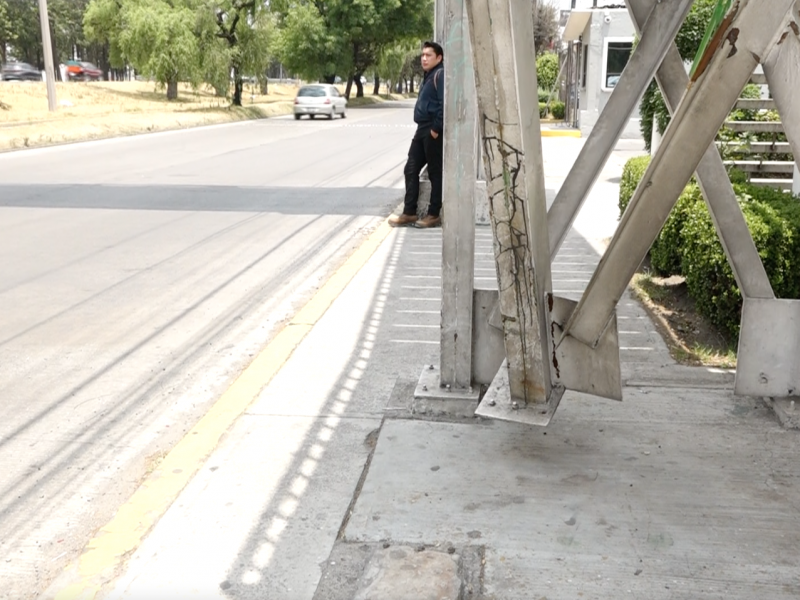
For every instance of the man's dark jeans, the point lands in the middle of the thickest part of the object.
(424, 150)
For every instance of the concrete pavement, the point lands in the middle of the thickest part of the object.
(328, 487)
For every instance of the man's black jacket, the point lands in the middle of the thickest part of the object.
(429, 110)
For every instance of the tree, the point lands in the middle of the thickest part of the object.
(545, 26)
(547, 70)
(66, 26)
(246, 28)
(305, 44)
(25, 35)
(322, 38)
(392, 62)
(652, 106)
(6, 30)
(157, 37)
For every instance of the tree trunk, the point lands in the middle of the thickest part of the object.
(264, 82)
(172, 89)
(237, 86)
(411, 85)
(348, 88)
(377, 89)
(359, 85)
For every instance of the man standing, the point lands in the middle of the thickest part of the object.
(426, 147)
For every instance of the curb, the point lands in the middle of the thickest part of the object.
(573, 133)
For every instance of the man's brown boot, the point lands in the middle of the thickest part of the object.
(402, 220)
(429, 221)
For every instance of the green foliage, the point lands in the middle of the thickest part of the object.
(394, 60)
(346, 37)
(305, 45)
(542, 110)
(665, 254)
(632, 173)
(753, 92)
(6, 29)
(544, 95)
(547, 70)
(652, 106)
(23, 31)
(102, 23)
(158, 40)
(557, 109)
(688, 245)
(773, 219)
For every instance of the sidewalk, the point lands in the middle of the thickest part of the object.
(328, 488)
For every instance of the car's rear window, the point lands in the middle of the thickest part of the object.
(314, 92)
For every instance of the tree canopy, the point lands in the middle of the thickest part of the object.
(325, 38)
(220, 42)
(545, 26)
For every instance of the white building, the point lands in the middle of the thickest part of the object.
(599, 41)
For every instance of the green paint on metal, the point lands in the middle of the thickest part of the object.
(720, 10)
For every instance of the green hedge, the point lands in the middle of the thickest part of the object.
(542, 110)
(688, 245)
(632, 172)
(544, 95)
(557, 109)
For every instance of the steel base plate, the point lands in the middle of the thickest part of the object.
(432, 398)
(497, 403)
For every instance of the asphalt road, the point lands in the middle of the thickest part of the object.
(138, 277)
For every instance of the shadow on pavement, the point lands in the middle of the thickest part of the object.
(370, 201)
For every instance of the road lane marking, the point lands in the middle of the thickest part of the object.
(104, 557)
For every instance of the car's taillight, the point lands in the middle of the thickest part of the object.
(327, 100)
(297, 100)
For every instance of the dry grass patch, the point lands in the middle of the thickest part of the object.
(107, 109)
(691, 339)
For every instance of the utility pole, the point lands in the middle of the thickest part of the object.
(47, 51)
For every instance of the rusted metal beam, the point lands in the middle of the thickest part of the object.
(502, 39)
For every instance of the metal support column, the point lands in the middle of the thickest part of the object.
(451, 384)
(502, 41)
(47, 52)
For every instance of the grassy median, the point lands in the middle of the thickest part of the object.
(96, 110)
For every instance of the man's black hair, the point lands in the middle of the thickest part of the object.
(436, 48)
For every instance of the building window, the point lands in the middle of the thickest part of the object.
(616, 54)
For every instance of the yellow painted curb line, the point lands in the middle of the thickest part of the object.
(561, 133)
(105, 554)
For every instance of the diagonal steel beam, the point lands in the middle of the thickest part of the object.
(782, 68)
(748, 33)
(713, 177)
(502, 42)
(664, 20)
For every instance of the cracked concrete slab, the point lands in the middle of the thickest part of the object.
(674, 493)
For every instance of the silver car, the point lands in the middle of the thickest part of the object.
(319, 99)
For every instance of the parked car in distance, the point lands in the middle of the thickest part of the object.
(20, 71)
(78, 70)
(319, 99)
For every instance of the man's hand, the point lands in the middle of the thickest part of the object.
(434, 135)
